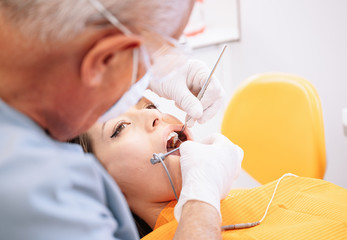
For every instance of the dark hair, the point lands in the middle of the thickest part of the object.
(84, 141)
(142, 227)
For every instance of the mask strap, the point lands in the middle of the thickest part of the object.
(135, 66)
(109, 16)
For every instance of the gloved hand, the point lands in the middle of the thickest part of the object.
(208, 170)
(184, 85)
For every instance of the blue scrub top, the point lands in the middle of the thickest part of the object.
(52, 190)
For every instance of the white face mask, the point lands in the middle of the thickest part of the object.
(152, 59)
(129, 99)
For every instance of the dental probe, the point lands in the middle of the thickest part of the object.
(162, 156)
(159, 157)
(204, 87)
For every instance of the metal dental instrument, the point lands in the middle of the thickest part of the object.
(159, 157)
(204, 87)
(156, 156)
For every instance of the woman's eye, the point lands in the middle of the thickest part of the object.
(151, 106)
(119, 127)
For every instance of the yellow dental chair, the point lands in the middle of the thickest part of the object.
(277, 120)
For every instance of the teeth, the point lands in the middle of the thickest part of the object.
(174, 138)
(173, 135)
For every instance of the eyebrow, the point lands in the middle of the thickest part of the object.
(145, 104)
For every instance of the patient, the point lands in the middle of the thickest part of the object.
(302, 207)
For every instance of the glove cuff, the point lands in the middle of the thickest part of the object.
(203, 195)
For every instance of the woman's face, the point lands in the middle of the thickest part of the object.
(125, 145)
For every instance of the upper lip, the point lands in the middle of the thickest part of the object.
(174, 128)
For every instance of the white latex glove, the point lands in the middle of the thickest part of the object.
(208, 170)
(184, 84)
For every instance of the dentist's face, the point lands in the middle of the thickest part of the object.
(125, 145)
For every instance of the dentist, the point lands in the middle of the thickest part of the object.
(66, 64)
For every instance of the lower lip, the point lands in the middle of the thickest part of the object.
(175, 153)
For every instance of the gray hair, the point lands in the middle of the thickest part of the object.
(62, 19)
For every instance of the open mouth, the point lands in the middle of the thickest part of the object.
(175, 139)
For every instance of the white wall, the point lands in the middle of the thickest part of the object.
(303, 37)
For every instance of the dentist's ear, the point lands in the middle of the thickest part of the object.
(98, 59)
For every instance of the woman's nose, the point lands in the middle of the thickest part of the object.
(153, 120)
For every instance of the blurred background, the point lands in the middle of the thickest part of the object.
(302, 37)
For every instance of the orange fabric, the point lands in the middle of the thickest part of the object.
(303, 208)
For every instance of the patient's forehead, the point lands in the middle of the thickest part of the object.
(141, 104)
